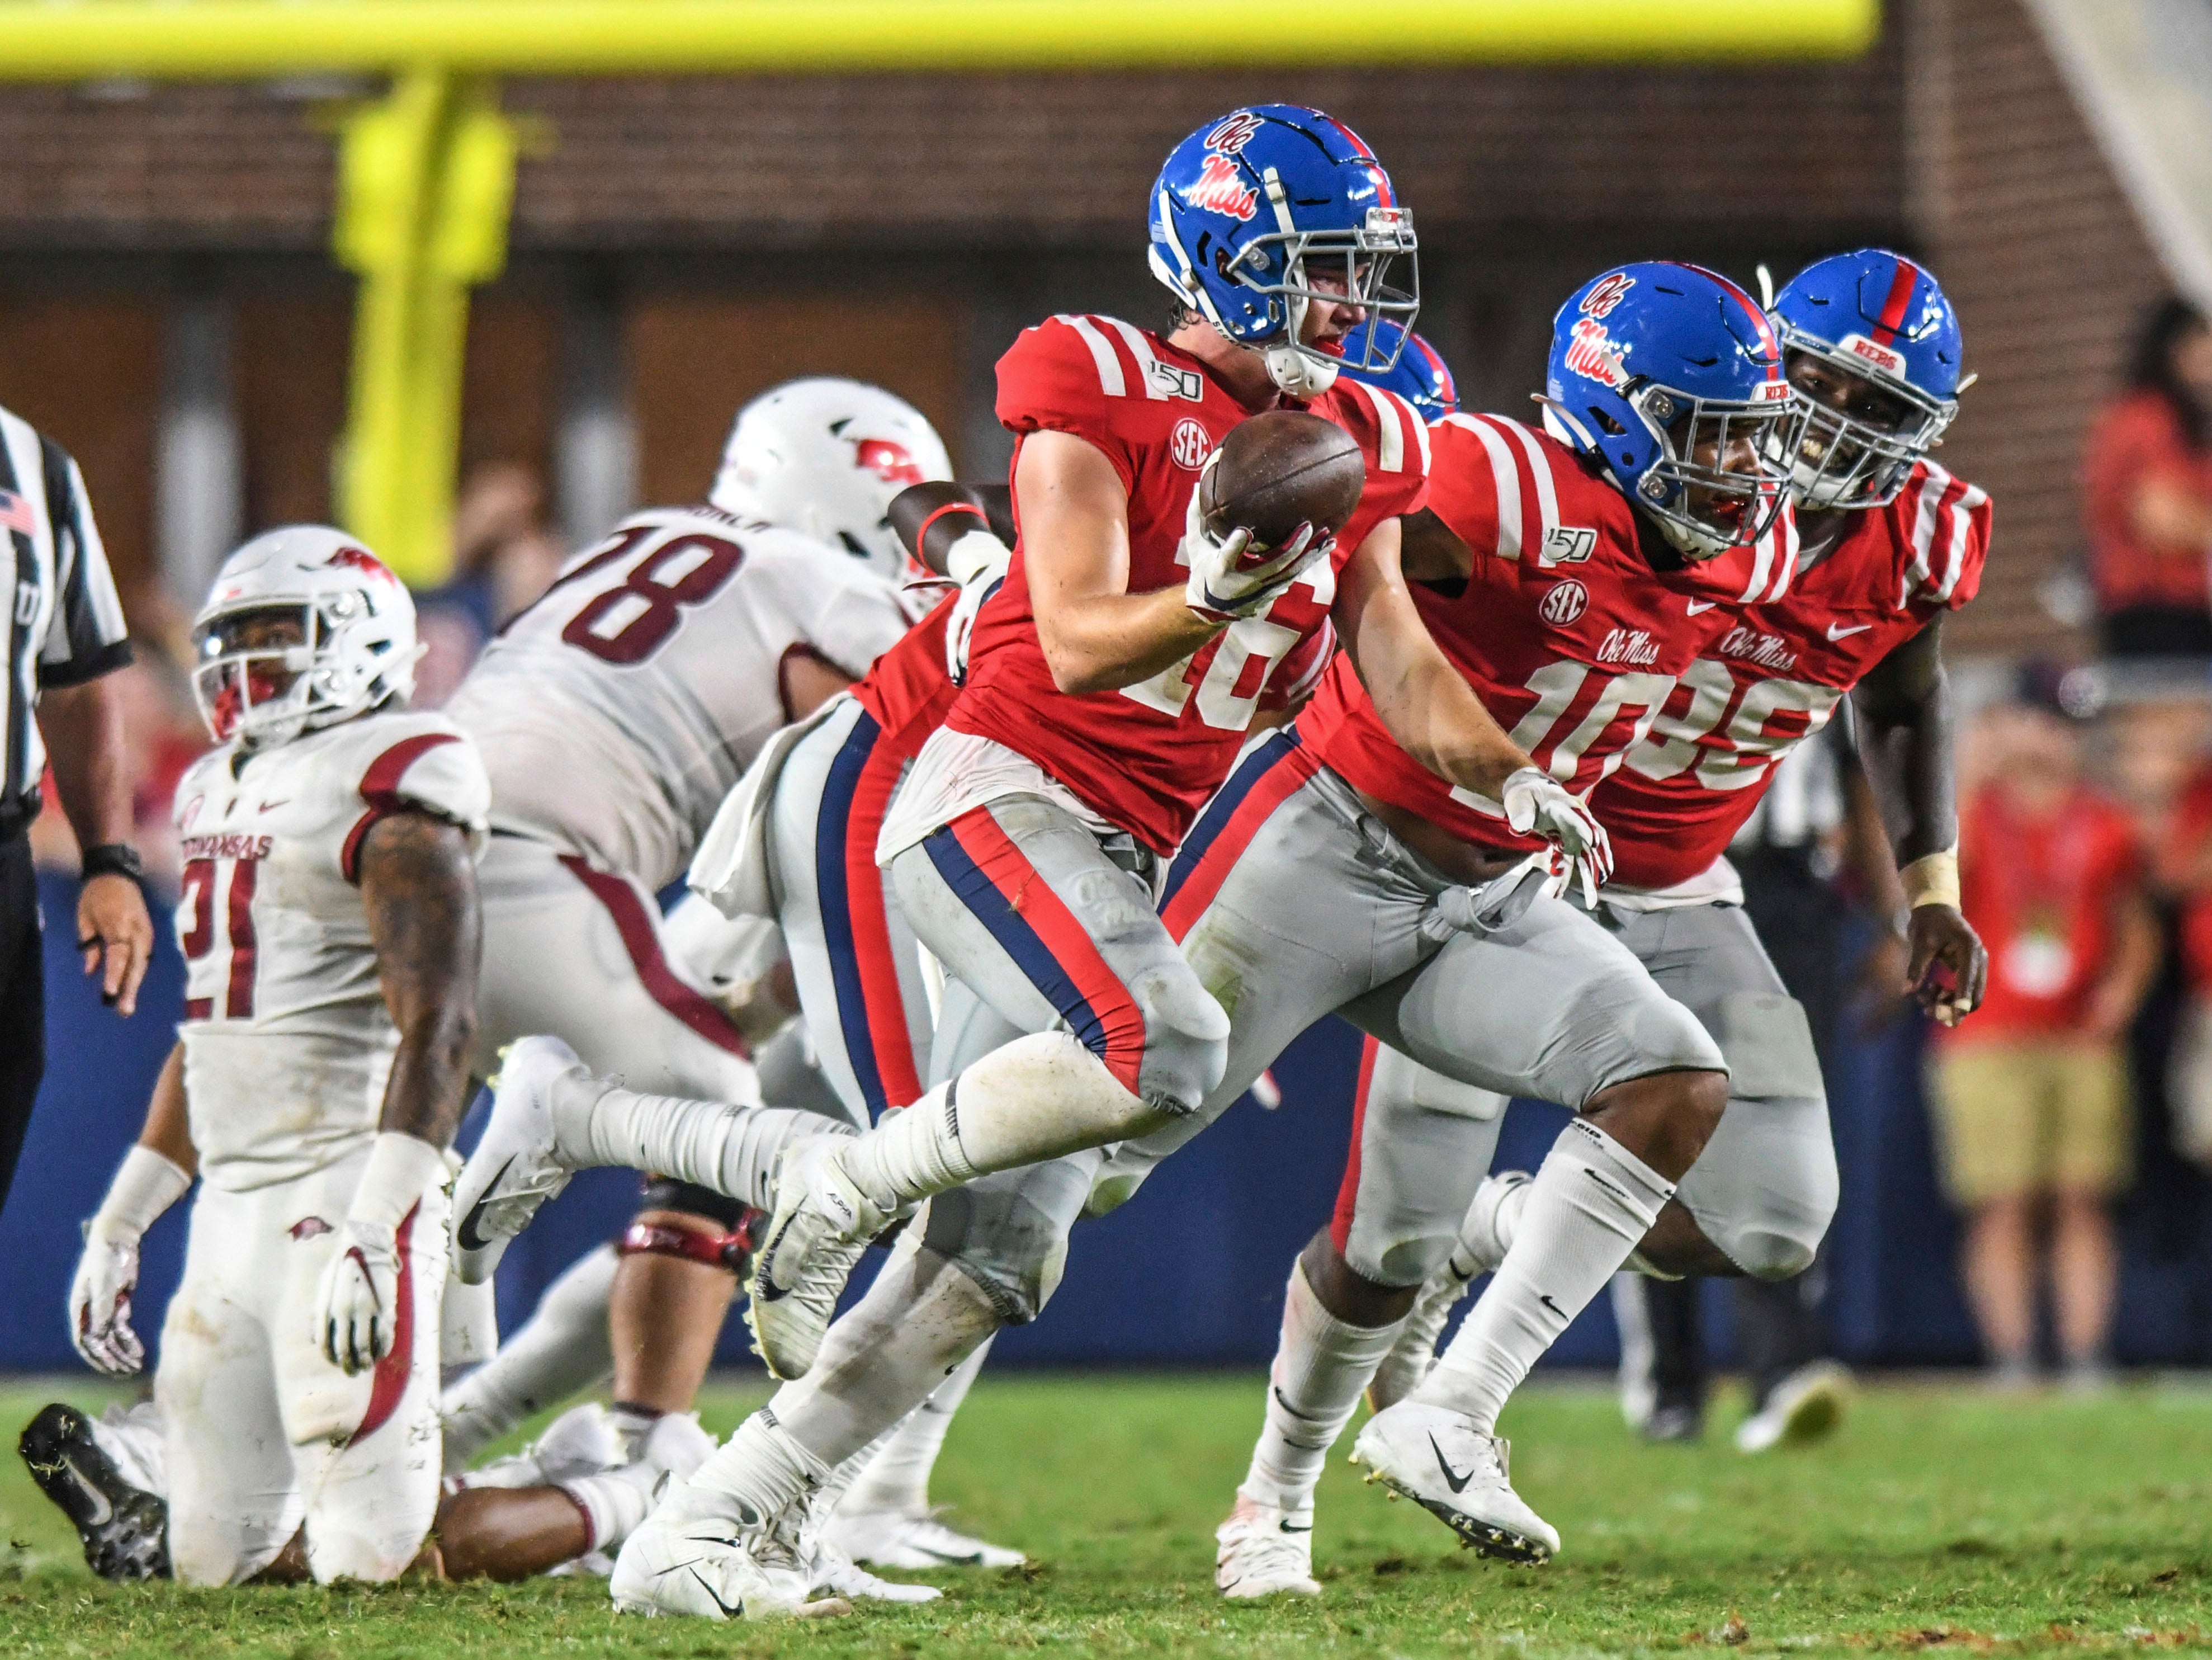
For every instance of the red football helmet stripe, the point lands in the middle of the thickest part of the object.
(1892, 306)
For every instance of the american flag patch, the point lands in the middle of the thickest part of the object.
(15, 513)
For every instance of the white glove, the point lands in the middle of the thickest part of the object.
(356, 1305)
(145, 1185)
(1537, 804)
(1222, 587)
(979, 560)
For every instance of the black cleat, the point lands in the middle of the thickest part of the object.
(125, 1530)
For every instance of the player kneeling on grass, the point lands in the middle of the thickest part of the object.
(329, 929)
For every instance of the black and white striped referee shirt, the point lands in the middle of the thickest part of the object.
(65, 623)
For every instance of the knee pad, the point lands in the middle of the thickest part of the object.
(1186, 1039)
(1009, 1233)
(665, 1193)
(1765, 1188)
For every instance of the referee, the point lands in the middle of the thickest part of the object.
(65, 632)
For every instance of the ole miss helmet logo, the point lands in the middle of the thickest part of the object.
(1591, 353)
(1563, 603)
(1604, 293)
(1219, 190)
(892, 463)
(1233, 134)
(1191, 444)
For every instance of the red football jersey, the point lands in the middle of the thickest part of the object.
(907, 689)
(1775, 676)
(1565, 629)
(1147, 757)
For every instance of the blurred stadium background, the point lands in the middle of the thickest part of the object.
(171, 311)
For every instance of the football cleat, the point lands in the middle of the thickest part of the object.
(1480, 1248)
(516, 1166)
(1437, 1457)
(1803, 1408)
(901, 1539)
(124, 1530)
(714, 1568)
(821, 1224)
(838, 1574)
(1264, 1552)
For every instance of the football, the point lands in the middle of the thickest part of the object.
(1280, 471)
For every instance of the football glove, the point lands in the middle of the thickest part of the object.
(1537, 804)
(979, 560)
(1231, 577)
(145, 1185)
(357, 1304)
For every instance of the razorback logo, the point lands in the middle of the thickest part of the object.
(1858, 346)
(360, 559)
(891, 462)
(1604, 293)
(1219, 190)
(1590, 354)
(1233, 134)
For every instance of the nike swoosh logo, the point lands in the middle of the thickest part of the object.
(1835, 632)
(1453, 1479)
(104, 1511)
(716, 1596)
(1549, 1303)
(1698, 607)
(1286, 1528)
(271, 806)
(468, 1233)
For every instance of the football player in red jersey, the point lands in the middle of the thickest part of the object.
(1889, 542)
(1113, 678)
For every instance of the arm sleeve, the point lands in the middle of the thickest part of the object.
(87, 637)
(431, 769)
(1065, 375)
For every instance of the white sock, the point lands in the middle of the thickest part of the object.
(1321, 1364)
(1590, 1205)
(562, 1350)
(897, 1480)
(614, 1501)
(885, 1355)
(633, 1423)
(758, 1474)
(729, 1149)
(1037, 1098)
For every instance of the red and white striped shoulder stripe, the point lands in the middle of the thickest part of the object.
(1401, 436)
(1940, 512)
(1520, 476)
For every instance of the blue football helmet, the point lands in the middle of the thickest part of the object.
(1252, 209)
(1873, 348)
(1670, 376)
(1419, 376)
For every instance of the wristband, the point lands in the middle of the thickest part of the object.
(976, 551)
(146, 1183)
(113, 858)
(1932, 880)
(401, 1169)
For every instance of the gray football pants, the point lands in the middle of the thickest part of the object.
(1292, 903)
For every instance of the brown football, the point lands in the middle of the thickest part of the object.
(1280, 471)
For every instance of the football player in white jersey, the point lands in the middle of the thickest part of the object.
(330, 930)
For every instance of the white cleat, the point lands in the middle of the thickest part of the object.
(821, 1224)
(1264, 1552)
(902, 1540)
(580, 1442)
(1437, 1458)
(1478, 1251)
(713, 1569)
(516, 1167)
(1805, 1407)
(839, 1575)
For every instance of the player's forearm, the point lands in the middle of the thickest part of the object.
(83, 730)
(418, 886)
(1103, 641)
(1436, 718)
(1907, 727)
(167, 1129)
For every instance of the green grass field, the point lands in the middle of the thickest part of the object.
(1939, 1517)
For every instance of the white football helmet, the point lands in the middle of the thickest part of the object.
(825, 456)
(353, 649)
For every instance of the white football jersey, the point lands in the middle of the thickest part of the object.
(287, 1039)
(617, 712)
